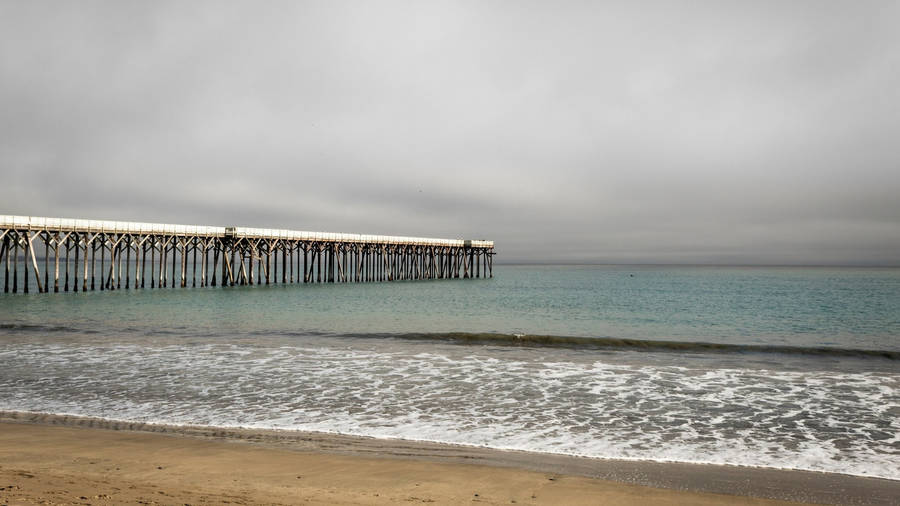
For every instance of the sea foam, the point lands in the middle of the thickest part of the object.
(586, 403)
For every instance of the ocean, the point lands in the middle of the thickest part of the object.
(795, 368)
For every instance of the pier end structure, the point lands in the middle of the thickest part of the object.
(155, 255)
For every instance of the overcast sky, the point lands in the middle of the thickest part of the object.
(667, 132)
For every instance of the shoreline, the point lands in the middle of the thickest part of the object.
(704, 479)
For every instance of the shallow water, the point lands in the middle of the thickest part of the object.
(377, 360)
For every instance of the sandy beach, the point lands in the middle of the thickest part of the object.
(50, 459)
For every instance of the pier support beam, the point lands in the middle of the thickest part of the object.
(327, 258)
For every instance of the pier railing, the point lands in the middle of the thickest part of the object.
(157, 255)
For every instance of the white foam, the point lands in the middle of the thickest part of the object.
(820, 421)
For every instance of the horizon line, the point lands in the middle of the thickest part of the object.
(695, 264)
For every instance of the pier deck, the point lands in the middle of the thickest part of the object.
(179, 255)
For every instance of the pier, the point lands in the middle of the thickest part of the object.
(154, 255)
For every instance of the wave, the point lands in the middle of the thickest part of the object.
(25, 327)
(521, 340)
(611, 343)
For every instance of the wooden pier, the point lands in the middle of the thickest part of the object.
(62, 255)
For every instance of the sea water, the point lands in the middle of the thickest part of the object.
(779, 367)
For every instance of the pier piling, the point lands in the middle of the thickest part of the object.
(248, 256)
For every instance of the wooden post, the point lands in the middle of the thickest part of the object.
(163, 262)
(56, 264)
(246, 255)
(326, 262)
(346, 263)
(155, 266)
(274, 250)
(102, 260)
(6, 277)
(268, 257)
(183, 262)
(66, 286)
(242, 272)
(76, 247)
(305, 266)
(87, 243)
(205, 244)
(231, 265)
(140, 257)
(329, 262)
(163, 280)
(227, 264)
(128, 244)
(225, 246)
(215, 262)
(117, 274)
(119, 263)
(292, 245)
(16, 265)
(246, 265)
(174, 254)
(37, 273)
(4, 254)
(46, 238)
(153, 242)
(340, 266)
(251, 270)
(259, 266)
(483, 258)
(467, 261)
(111, 274)
(194, 262)
(332, 260)
(25, 260)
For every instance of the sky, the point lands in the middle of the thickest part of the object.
(753, 132)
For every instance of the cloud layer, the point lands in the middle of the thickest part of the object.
(724, 132)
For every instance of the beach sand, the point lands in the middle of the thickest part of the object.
(47, 459)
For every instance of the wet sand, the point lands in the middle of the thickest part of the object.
(76, 460)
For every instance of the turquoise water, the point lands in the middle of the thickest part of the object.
(851, 308)
(789, 383)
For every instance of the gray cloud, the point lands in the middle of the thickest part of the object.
(727, 132)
